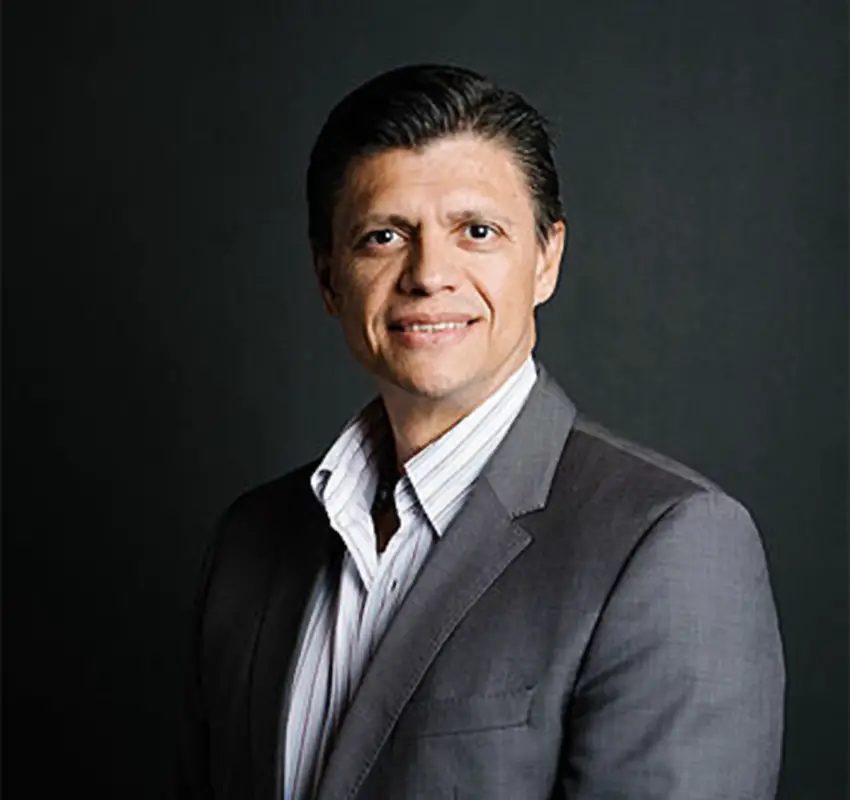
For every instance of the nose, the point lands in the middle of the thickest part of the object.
(431, 266)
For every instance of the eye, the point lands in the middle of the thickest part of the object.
(479, 231)
(381, 237)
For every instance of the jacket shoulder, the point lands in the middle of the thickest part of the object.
(258, 528)
(623, 477)
(620, 452)
(270, 500)
(609, 494)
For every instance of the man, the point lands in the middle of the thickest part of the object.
(476, 592)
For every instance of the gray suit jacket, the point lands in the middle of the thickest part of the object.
(596, 623)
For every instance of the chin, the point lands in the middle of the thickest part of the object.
(429, 384)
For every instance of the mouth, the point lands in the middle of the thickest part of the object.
(430, 327)
(427, 334)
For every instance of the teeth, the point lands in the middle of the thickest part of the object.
(440, 326)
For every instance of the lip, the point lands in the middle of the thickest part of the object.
(431, 339)
(427, 319)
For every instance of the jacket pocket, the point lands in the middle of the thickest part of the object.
(435, 717)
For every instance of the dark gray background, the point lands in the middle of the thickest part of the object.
(164, 346)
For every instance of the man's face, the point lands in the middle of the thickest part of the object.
(436, 269)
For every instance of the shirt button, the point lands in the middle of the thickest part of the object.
(394, 584)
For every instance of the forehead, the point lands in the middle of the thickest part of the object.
(443, 176)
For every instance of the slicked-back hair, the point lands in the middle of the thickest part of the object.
(413, 106)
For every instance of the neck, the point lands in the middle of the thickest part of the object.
(416, 425)
(417, 421)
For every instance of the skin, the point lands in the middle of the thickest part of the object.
(445, 230)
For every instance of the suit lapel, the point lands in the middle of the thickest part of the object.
(481, 543)
(471, 555)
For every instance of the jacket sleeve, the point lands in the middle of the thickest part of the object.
(681, 690)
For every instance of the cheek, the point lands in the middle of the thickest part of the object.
(508, 290)
(362, 302)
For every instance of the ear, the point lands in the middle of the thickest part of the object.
(324, 275)
(549, 263)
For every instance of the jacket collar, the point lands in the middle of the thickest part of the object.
(521, 470)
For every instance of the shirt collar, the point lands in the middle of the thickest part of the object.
(353, 453)
(439, 474)
(442, 473)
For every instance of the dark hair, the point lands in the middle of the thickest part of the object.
(414, 105)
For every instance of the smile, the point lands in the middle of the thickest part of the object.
(431, 334)
(439, 326)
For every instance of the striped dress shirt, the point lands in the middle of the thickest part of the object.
(351, 607)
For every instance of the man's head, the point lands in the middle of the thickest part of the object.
(433, 199)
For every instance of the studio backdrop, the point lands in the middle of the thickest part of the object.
(165, 347)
